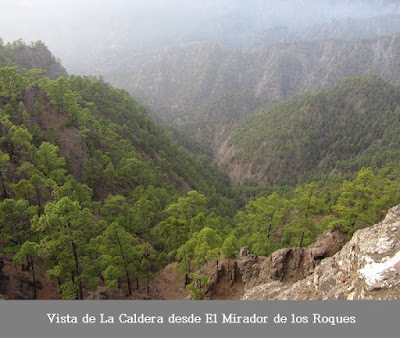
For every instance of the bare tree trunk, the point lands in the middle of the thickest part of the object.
(77, 270)
(301, 239)
(4, 186)
(32, 264)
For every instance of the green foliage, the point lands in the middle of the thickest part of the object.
(363, 201)
(307, 205)
(47, 160)
(199, 286)
(15, 222)
(230, 247)
(67, 230)
(31, 60)
(123, 252)
(184, 218)
(11, 83)
(96, 220)
(28, 249)
(4, 164)
(20, 139)
(310, 209)
(96, 193)
(200, 248)
(353, 125)
(30, 252)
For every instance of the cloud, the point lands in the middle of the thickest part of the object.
(86, 26)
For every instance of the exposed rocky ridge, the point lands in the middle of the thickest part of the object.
(367, 267)
(238, 25)
(350, 28)
(344, 29)
(235, 276)
(284, 265)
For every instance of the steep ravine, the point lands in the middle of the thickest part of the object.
(208, 91)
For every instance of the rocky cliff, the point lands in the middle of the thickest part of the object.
(284, 266)
(233, 278)
(367, 267)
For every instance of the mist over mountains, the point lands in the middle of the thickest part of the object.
(181, 82)
(92, 35)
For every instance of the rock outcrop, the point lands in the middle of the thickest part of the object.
(290, 264)
(367, 267)
(284, 267)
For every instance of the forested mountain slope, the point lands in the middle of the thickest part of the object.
(83, 168)
(343, 129)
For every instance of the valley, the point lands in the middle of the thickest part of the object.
(267, 168)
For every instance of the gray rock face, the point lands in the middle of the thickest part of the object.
(283, 268)
(249, 268)
(367, 267)
(289, 265)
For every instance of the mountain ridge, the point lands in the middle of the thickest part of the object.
(34, 56)
(271, 74)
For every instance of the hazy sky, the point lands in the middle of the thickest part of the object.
(45, 19)
(70, 26)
